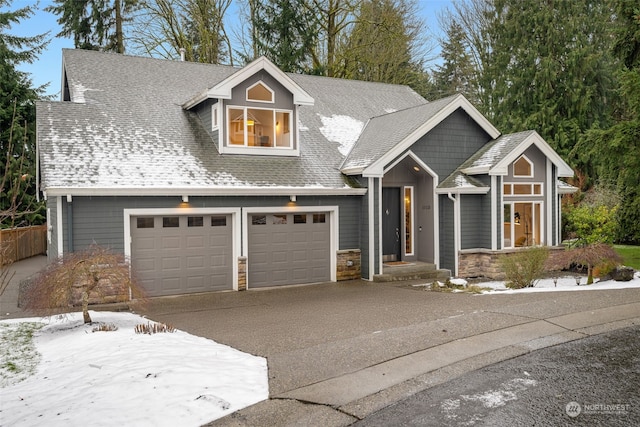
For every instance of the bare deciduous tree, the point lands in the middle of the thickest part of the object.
(93, 275)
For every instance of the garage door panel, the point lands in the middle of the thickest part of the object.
(183, 259)
(195, 242)
(172, 242)
(292, 253)
(195, 261)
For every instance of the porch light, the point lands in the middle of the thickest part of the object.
(516, 218)
(292, 198)
(417, 169)
(185, 199)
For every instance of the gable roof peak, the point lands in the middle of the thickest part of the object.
(223, 89)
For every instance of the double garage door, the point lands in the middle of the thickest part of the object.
(180, 254)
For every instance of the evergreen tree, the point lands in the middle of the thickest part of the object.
(286, 32)
(380, 45)
(17, 120)
(456, 74)
(549, 68)
(613, 154)
(94, 24)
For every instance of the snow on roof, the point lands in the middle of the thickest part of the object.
(342, 129)
(126, 128)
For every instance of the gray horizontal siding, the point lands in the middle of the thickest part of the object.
(450, 143)
(475, 221)
(100, 220)
(447, 246)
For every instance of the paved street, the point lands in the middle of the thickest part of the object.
(593, 381)
(340, 352)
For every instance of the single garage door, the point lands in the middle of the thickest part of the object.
(288, 249)
(180, 254)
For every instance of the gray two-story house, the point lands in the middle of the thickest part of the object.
(218, 178)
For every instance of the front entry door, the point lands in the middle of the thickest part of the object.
(391, 224)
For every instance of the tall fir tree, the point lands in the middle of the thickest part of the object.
(17, 120)
(381, 43)
(94, 24)
(549, 68)
(456, 74)
(612, 155)
(285, 31)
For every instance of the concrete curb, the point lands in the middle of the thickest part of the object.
(342, 400)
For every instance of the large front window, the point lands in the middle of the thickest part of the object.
(258, 127)
(523, 224)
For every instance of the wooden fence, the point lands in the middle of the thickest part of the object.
(23, 242)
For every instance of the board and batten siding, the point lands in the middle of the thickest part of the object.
(101, 220)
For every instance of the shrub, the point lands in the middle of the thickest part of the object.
(73, 280)
(589, 256)
(523, 268)
(105, 327)
(154, 328)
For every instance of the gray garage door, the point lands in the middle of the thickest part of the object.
(288, 249)
(182, 254)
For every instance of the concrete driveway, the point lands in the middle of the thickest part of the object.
(339, 351)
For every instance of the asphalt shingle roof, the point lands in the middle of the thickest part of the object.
(384, 132)
(488, 156)
(126, 128)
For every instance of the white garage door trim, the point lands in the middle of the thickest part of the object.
(235, 221)
(333, 212)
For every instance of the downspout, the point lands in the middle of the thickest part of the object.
(456, 231)
(69, 223)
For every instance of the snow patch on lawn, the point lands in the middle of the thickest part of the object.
(123, 378)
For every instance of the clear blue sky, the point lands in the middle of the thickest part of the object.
(48, 67)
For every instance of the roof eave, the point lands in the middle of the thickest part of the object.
(203, 191)
(479, 170)
(463, 190)
(224, 88)
(458, 102)
(564, 170)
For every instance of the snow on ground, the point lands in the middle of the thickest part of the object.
(562, 283)
(81, 377)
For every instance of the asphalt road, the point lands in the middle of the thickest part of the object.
(594, 381)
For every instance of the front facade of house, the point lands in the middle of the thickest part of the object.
(217, 178)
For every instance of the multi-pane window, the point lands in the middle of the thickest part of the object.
(259, 127)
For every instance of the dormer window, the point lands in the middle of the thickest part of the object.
(523, 168)
(259, 127)
(260, 92)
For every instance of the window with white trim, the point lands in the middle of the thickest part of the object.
(522, 189)
(259, 127)
(523, 167)
(214, 117)
(523, 224)
(260, 92)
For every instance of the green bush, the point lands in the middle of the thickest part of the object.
(523, 268)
